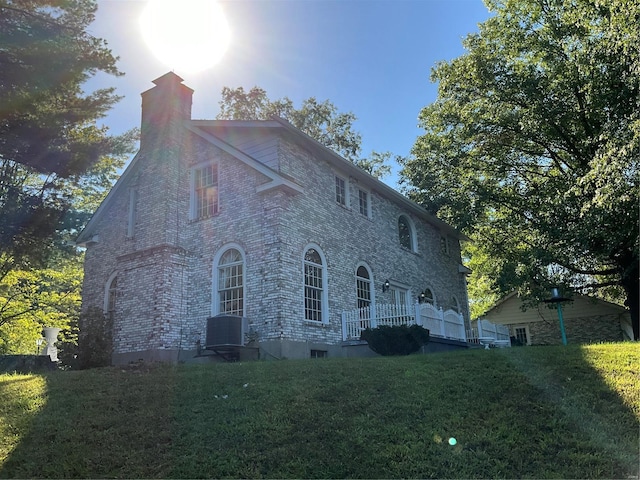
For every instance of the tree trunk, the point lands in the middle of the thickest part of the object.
(631, 284)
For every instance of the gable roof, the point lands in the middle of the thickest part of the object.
(299, 137)
(576, 296)
(210, 131)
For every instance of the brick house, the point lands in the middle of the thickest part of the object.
(255, 219)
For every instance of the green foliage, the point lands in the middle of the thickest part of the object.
(552, 412)
(533, 145)
(31, 300)
(320, 120)
(95, 340)
(395, 340)
(56, 163)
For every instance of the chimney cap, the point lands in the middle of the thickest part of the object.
(169, 77)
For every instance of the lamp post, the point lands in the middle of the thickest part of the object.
(557, 299)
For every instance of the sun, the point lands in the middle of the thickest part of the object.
(186, 35)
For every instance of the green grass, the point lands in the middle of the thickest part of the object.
(547, 412)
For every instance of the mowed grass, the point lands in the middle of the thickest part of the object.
(545, 412)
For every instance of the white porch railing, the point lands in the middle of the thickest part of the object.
(489, 334)
(447, 324)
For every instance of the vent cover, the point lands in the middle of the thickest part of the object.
(226, 330)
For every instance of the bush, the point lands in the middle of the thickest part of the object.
(95, 339)
(398, 340)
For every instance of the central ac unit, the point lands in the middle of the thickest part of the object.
(226, 330)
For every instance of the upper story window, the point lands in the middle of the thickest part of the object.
(204, 191)
(341, 191)
(406, 233)
(363, 286)
(315, 286)
(230, 279)
(364, 203)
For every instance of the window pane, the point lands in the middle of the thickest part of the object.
(313, 288)
(206, 191)
(341, 192)
(363, 198)
(363, 287)
(230, 281)
(404, 232)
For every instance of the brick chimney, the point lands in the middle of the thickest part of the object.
(169, 101)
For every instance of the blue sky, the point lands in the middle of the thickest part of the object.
(370, 57)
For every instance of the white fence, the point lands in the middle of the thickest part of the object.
(447, 324)
(489, 334)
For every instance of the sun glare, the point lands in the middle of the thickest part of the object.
(186, 35)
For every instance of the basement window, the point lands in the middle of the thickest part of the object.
(319, 354)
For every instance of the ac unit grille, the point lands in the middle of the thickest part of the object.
(226, 330)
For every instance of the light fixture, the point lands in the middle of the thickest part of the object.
(385, 286)
(558, 299)
(422, 297)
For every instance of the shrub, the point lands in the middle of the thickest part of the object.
(397, 340)
(95, 339)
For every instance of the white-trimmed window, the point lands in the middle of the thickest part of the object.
(363, 287)
(364, 203)
(204, 191)
(111, 296)
(407, 233)
(455, 304)
(315, 285)
(342, 191)
(427, 296)
(521, 334)
(229, 277)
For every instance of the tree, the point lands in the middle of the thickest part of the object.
(55, 162)
(48, 136)
(319, 120)
(532, 146)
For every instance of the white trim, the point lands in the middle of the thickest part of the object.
(107, 288)
(347, 188)
(215, 300)
(193, 215)
(325, 285)
(372, 287)
(412, 232)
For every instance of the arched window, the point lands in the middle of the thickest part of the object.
(230, 283)
(315, 286)
(406, 233)
(455, 305)
(427, 296)
(363, 286)
(111, 295)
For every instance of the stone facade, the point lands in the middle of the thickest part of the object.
(274, 204)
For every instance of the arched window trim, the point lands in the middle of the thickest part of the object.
(413, 238)
(433, 295)
(215, 300)
(455, 304)
(325, 284)
(372, 290)
(107, 292)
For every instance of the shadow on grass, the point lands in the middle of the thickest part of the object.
(102, 423)
(519, 413)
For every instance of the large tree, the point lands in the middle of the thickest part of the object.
(55, 162)
(49, 140)
(532, 146)
(320, 120)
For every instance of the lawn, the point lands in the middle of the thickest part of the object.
(538, 412)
